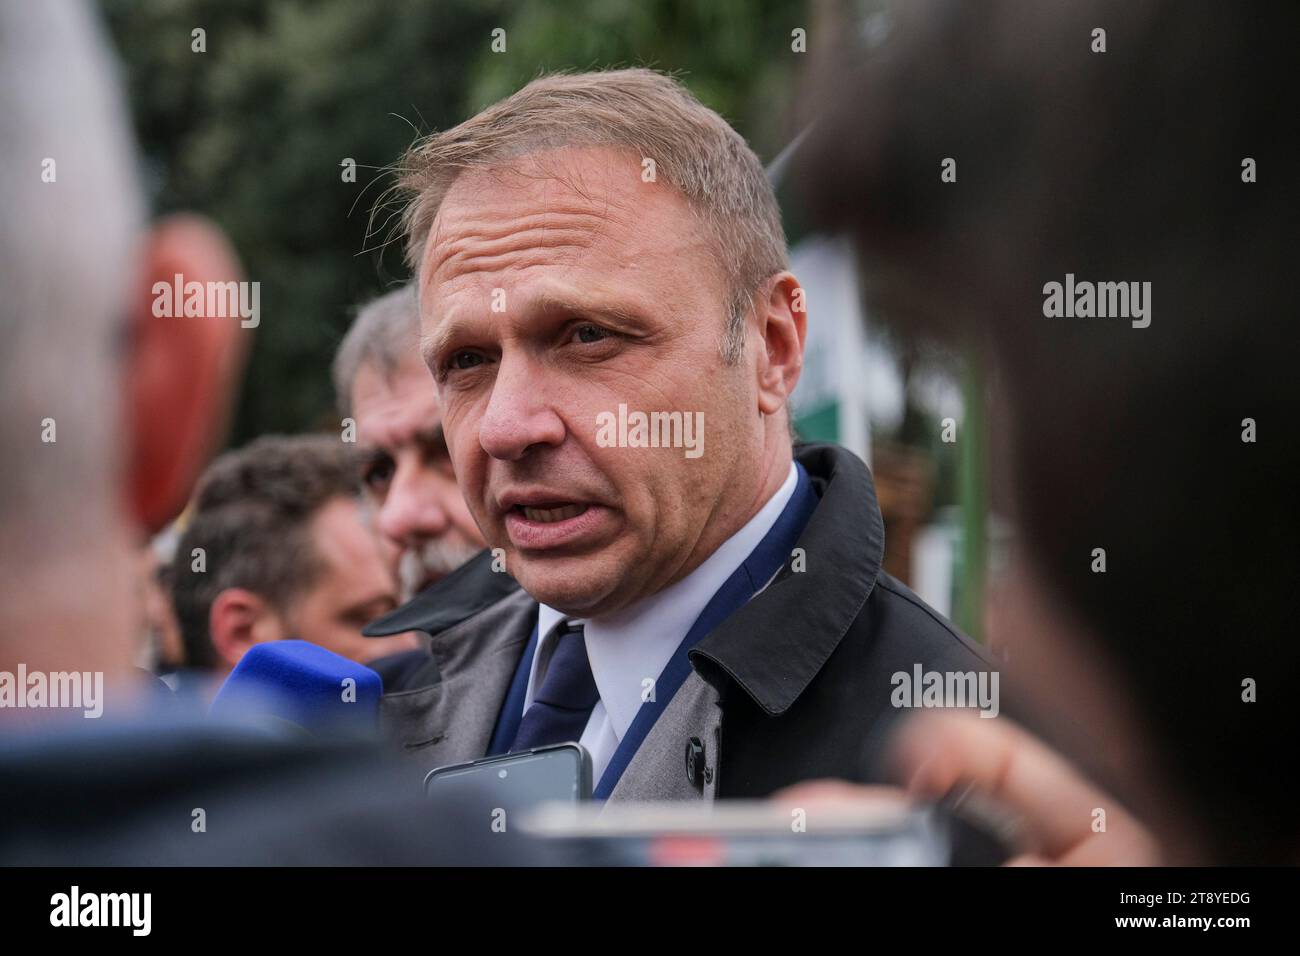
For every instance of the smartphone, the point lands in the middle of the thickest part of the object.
(518, 782)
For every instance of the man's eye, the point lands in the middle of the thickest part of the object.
(465, 359)
(377, 473)
(587, 333)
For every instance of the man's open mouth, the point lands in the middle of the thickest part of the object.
(550, 514)
(542, 522)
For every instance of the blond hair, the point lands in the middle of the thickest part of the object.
(645, 112)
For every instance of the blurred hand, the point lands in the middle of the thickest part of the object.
(995, 762)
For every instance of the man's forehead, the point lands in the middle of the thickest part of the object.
(578, 204)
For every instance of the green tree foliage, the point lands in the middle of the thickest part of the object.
(735, 55)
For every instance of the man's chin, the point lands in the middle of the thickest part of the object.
(574, 590)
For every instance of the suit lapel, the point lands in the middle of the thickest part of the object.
(451, 721)
(658, 770)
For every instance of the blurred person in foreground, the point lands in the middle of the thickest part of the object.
(381, 382)
(137, 400)
(277, 546)
(1165, 439)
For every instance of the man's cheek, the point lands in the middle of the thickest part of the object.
(461, 446)
(455, 426)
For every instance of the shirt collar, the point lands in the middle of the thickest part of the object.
(631, 647)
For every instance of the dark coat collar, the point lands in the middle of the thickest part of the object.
(773, 646)
(471, 588)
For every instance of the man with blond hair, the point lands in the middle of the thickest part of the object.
(609, 320)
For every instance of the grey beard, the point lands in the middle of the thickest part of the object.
(436, 556)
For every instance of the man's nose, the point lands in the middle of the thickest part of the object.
(519, 414)
(413, 509)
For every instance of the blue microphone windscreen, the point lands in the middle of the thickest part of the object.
(302, 684)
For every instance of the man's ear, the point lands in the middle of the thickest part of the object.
(237, 620)
(179, 371)
(782, 327)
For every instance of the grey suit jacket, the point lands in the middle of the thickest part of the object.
(451, 720)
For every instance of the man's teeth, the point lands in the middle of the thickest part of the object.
(553, 514)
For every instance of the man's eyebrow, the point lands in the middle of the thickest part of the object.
(432, 343)
(551, 304)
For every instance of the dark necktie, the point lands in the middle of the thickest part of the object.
(562, 705)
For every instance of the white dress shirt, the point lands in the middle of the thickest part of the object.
(628, 650)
